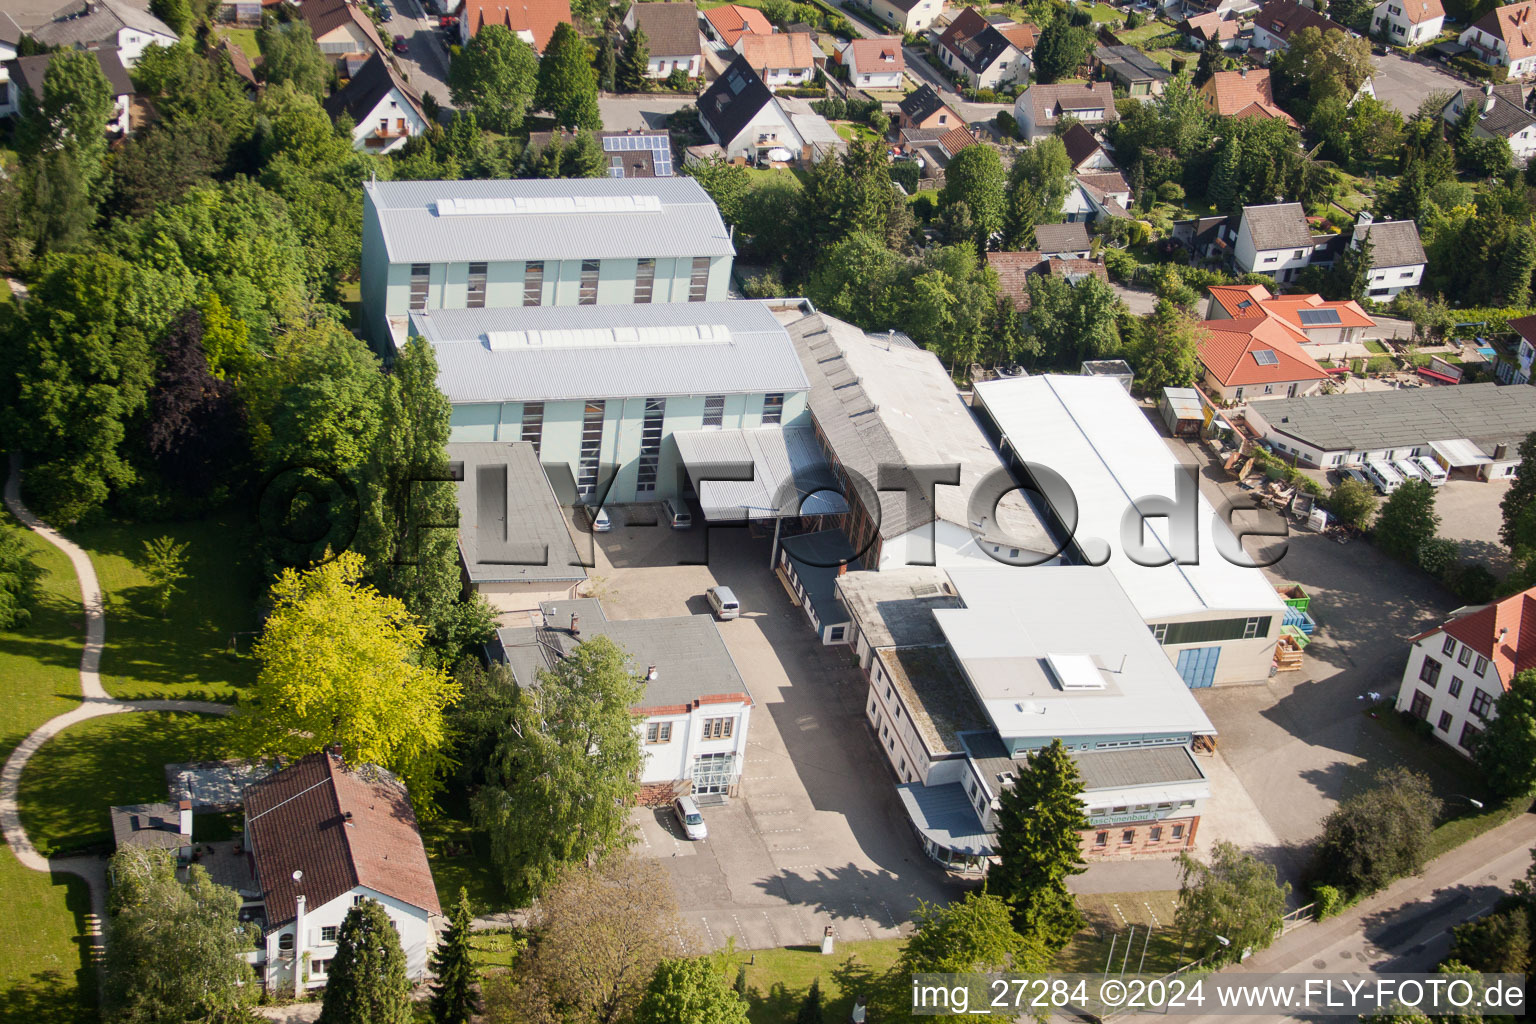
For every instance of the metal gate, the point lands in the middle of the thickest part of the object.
(1197, 666)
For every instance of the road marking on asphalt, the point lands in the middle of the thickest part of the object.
(858, 915)
(771, 831)
(761, 814)
(1152, 912)
(740, 931)
(1121, 913)
(888, 915)
(707, 929)
(789, 849)
(771, 929)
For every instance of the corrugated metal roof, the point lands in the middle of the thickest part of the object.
(1487, 414)
(1095, 436)
(790, 473)
(755, 354)
(944, 815)
(688, 224)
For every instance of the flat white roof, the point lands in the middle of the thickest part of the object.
(1088, 430)
(1017, 624)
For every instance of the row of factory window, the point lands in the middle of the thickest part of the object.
(533, 283)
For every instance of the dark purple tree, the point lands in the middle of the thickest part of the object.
(195, 426)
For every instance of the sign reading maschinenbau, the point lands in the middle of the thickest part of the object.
(1314, 994)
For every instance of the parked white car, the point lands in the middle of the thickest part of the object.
(689, 818)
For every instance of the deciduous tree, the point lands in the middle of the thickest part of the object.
(289, 54)
(177, 14)
(1235, 896)
(692, 990)
(559, 786)
(1511, 734)
(195, 428)
(567, 85)
(1167, 355)
(494, 76)
(366, 981)
(973, 934)
(1353, 504)
(19, 576)
(1496, 944)
(1037, 184)
(726, 183)
(1379, 834)
(1518, 506)
(340, 663)
(70, 115)
(1407, 520)
(1061, 49)
(165, 567)
(176, 949)
(975, 177)
(1040, 821)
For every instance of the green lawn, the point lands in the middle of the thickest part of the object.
(182, 655)
(40, 662)
(43, 976)
(1111, 918)
(461, 857)
(1372, 345)
(1146, 33)
(120, 759)
(853, 132)
(245, 38)
(778, 979)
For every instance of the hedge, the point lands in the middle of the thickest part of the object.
(1477, 69)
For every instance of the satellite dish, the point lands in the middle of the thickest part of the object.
(298, 875)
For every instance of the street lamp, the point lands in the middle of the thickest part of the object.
(1475, 803)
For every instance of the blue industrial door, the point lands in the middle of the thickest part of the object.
(1197, 666)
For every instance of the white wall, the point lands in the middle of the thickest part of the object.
(412, 923)
(1277, 262)
(392, 107)
(1388, 281)
(1453, 675)
(673, 760)
(772, 121)
(131, 44)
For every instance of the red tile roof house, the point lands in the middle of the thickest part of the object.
(1256, 358)
(1014, 269)
(1320, 322)
(730, 22)
(1245, 93)
(1457, 671)
(532, 21)
(1505, 35)
(874, 63)
(342, 30)
(1279, 20)
(323, 835)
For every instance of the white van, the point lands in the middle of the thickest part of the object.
(723, 602)
(677, 515)
(1383, 476)
(1432, 470)
(1407, 469)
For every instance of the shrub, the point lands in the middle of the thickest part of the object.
(1007, 125)
(986, 96)
(1437, 555)
(1135, 20)
(767, 285)
(1170, 192)
(1122, 266)
(678, 81)
(1472, 583)
(1326, 901)
(905, 174)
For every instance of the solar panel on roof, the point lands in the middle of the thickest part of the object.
(1319, 317)
(1265, 357)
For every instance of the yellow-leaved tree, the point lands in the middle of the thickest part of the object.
(340, 665)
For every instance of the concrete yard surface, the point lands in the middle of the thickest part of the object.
(1403, 83)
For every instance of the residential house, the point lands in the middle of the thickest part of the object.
(1408, 22)
(323, 836)
(1062, 241)
(1274, 240)
(1014, 269)
(1207, 238)
(384, 110)
(1279, 20)
(1505, 36)
(741, 116)
(1086, 152)
(342, 30)
(924, 109)
(908, 16)
(1244, 93)
(1256, 357)
(532, 21)
(672, 35)
(94, 24)
(784, 58)
(694, 713)
(1319, 322)
(875, 63)
(819, 140)
(10, 40)
(1457, 671)
(971, 670)
(877, 399)
(1216, 620)
(520, 243)
(986, 55)
(1501, 114)
(934, 148)
(1397, 255)
(1522, 371)
(1039, 107)
(1472, 427)
(729, 22)
(515, 548)
(606, 394)
(1104, 194)
(1199, 29)
(1139, 75)
(630, 154)
(26, 75)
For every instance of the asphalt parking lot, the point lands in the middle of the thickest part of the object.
(1300, 740)
(1403, 84)
(816, 835)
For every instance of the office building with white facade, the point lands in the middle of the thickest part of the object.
(1217, 619)
(603, 390)
(515, 244)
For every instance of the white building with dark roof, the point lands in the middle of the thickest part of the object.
(96, 23)
(692, 718)
(1217, 619)
(449, 245)
(1397, 255)
(1500, 112)
(1274, 240)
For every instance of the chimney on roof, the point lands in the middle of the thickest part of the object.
(184, 825)
(575, 624)
(1488, 98)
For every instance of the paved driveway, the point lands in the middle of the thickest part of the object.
(816, 836)
(645, 111)
(1402, 83)
(1297, 741)
(426, 67)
